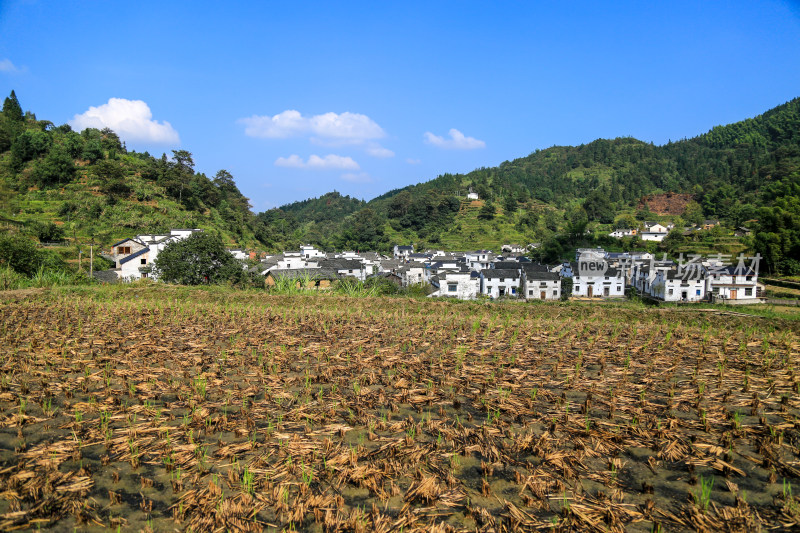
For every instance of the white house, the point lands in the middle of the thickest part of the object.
(472, 195)
(513, 249)
(345, 267)
(609, 283)
(479, 260)
(624, 232)
(295, 260)
(239, 254)
(460, 284)
(644, 274)
(402, 252)
(413, 273)
(655, 232)
(444, 262)
(730, 283)
(541, 285)
(134, 256)
(497, 283)
(135, 265)
(673, 286)
(307, 251)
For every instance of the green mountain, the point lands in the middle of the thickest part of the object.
(57, 183)
(312, 220)
(737, 173)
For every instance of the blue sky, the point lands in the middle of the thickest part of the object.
(296, 99)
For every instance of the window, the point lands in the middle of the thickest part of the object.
(143, 261)
(697, 292)
(543, 284)
(144, 274)
(123, 249)
(555, 292)
(748, 292)
(670, 292)
(530, 292)
(452, 287)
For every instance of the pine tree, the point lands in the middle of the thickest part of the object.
(11, 108)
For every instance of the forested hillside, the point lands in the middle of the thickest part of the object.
(57, 183)
(742, 173)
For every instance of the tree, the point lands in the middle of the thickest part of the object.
(510, 204)
(363, 231)
(11, 122)
(181, 171)
(198, 259)
(223, 180)
(11, 108)
(56, 168)
(112, 177)
(693, 214)
(49, 232)
(399, 204)
(20, 254)
(578, 220)
(625, 221)
(487, 211)
(29, 145)
(597, 207)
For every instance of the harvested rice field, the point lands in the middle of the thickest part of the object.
(173, 409)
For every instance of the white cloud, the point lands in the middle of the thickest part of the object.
(7, 66)
(348, 128)
(413, 161)
(360, 177)
(293, 161)
(317, 162)
(286, 124)
(132, 120)
(377, 150)
(457, 141)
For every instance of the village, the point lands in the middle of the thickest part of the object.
(510, 274)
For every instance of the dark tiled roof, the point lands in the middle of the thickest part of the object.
(106, 276)
(534, 267)
(541, 276)
(500, 273)
(124, 240)
(132, 256)
(341, 264)
(506, 265)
